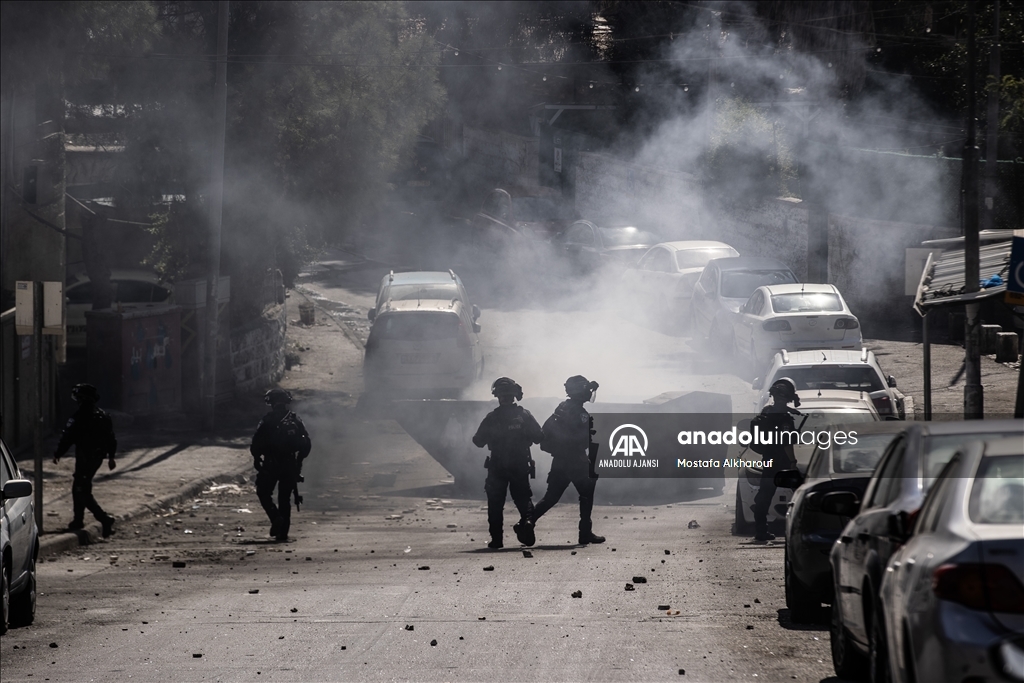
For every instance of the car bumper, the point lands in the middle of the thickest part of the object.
(958, 643)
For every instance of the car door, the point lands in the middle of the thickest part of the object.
(19, 513)
(746, 322)
(856, 542)
(704, 300)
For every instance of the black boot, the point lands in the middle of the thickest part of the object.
(524, 532)
(108, 526)
(496, 543)
(590, 537)
(76, 525)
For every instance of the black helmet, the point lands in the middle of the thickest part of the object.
(85, 393)
(506, 386)
(577, 385)
(277, 397)
(785, 390)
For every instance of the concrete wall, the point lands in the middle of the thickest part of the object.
(257, 350)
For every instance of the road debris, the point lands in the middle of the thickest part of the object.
(424, 568)
(254, 591)
(489, 568)
(433, 643)
(294, 610)
(527, 553)
(664, 608)
(693, 524)
(410, 627)
(629, 587)
(178, 564)
(639, 579)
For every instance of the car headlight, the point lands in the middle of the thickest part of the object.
(1010, 659)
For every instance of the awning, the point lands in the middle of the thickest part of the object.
(942, 282)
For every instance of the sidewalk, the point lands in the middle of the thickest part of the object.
(166, 466)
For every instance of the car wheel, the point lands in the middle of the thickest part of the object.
(878, 653)
(22, 608)
(846, 659)
(5, 600)
(742, 527)
(909, 674)
(803, 608)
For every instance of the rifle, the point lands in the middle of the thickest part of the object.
(295, 492)
(592, 452)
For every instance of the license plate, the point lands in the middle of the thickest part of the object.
(416, 358)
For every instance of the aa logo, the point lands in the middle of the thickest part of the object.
(628, 441)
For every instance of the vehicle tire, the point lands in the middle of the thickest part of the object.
(846, 659)
(878, 654)
(5, 599)
(909, 665)
(803, 608)
(22, 608)
(741, 527)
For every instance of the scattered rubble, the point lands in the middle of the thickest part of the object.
(577, 594)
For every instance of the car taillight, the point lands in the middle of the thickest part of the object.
(883, 404)
(991, 587)
(463, 336)
(776, 326)
(847, 324)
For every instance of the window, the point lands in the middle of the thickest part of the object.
(658, 260)
(82, 294)
(415, 326)
(997, 496)
(707, 280)
(444, 291)
(741, 284)
(849, 377)
(133, 291)
(888, 485)
(755, 303)
(580, 234)
(861, 457)
(811, 302)
(625, 237)
(937, 500)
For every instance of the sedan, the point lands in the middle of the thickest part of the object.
(860, 556)
(19, 545)
(724, 286)
(589, 248)
(953, 595)
(793, 317)
(810, 532)
(662, 282)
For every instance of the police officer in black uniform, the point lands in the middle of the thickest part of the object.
(91, 431)
(278, 448)
(567, 438)
(508, 431)
(778, 417)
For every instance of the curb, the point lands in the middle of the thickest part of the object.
(58, 543)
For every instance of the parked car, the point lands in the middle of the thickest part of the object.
(822, 414)
(661, 283)
(588, 247)
(724, 286)
(793, 317)
(423, 340)
(129, 287)
(860, 556)
(810, 532)
(953, 594)
(505, 220)
(832, 370)
(19, 544)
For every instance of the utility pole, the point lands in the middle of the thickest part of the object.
(37, 371)
(220, 102)
(974, 399)
(988, 216)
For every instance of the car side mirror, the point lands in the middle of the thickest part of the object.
(371, 314)
(789, 479)
(757, 383)
(476, 311)
(842, 503)
(17, 488)
(891, 381)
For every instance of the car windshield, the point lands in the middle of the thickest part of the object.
(536, 209)
(623, 237)
(939, 449)
(698, 258)
(446, 291)
(416, 326)
(740, 284)
(997, 496)
(860, 457)
(853, 378)
(800, 302)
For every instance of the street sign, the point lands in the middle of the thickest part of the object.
(1015, 277)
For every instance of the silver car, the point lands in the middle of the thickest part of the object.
(19, 544)
(953, 595)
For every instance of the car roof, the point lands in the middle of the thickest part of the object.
(1001, 447)
(686, 245)
(970, 427)
(831, 357)
(813, 399)
(422, 277)
(749, 263)
(422, 305)
(797, 288)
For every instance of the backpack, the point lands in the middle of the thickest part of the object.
(763, 425)
(288, 435)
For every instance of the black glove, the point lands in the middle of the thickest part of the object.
(257, 463)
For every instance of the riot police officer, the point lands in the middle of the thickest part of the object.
(567, 438)
(91, 431)
(508, 431)
(775, 417)
(278, 448)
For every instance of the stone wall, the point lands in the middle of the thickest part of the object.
(257, 350)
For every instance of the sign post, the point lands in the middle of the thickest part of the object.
(1015, 297)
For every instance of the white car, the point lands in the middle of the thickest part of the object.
(822, 412)
(793, 317)
(129, 287)
(830, 370)
(423, 341)
(19, 545)
(662, 281)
